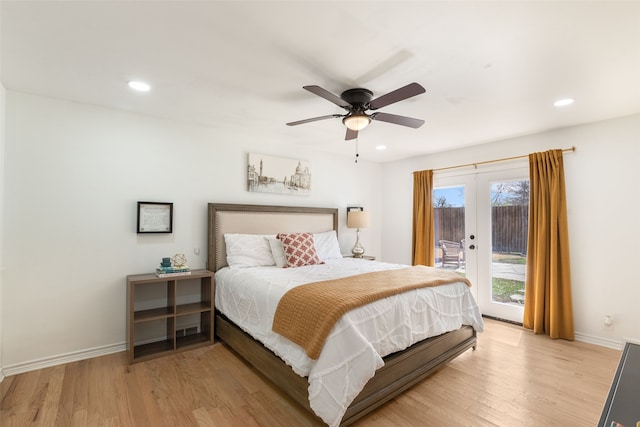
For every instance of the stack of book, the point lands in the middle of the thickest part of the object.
(172, 271)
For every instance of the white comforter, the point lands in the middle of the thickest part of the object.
(355, 347)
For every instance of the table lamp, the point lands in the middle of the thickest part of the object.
(357, 219)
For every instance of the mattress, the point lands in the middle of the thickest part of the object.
(357, 343)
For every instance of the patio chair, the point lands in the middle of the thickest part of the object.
(450, 252)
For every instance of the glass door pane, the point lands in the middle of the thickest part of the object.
(509, 225)
(449, 217)
(454, 201)
(503, 213)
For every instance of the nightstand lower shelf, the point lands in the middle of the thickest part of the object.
(192, 340)
(153, 349)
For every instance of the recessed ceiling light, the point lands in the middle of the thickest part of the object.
(563, 102)
(381, 147)
(139, 86)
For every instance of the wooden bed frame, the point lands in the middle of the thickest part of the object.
(401, 370)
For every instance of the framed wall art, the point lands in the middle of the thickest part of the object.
(269, 174)
(155, 217)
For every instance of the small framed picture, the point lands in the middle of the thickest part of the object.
(155, 217)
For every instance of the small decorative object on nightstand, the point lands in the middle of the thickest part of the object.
(175, 266)
(357, 218)
(179, 260)
(367, 257)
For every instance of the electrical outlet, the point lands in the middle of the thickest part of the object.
(608, 320)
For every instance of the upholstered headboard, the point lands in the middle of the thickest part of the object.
(261, 219)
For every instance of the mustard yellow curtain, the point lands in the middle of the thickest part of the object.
(423, 240)
(548, 308)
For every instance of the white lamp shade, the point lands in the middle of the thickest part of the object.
(358, 219)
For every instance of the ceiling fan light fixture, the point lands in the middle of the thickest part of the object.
(357, 121)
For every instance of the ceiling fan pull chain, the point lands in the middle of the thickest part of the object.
(357, 155)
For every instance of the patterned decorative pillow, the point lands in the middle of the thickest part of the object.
(299, 249)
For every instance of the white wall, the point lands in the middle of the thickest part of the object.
(73, 175)
(603, 196)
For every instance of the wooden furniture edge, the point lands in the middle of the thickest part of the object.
(263, 360)
(404, 369)
(401, 371)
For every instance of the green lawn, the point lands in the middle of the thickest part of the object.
(504, 288)
(509, 258)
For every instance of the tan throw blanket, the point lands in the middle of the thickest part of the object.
(306, 314)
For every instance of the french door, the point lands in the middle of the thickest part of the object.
(484, 217)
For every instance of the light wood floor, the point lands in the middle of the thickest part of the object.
(514, 378)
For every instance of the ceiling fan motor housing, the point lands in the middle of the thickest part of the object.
(357, 97)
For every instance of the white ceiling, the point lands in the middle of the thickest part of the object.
(491, 69)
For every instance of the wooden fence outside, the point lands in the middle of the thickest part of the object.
(509, 227)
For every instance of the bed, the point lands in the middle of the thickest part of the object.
(392, 374)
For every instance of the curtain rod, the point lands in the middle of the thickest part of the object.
(475, 165)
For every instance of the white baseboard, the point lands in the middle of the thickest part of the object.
(603, 342)
(47, 362)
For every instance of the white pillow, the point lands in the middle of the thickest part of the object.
(247, 250)
(327, 245)
(277, 251)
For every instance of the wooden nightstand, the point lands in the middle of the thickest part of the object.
(174, 305)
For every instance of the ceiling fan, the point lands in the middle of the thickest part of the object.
(358, 101)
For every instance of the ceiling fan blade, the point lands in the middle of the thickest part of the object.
(351, 134)
(317, 90)
(397, 120)
(314, 119)
(403, 93)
